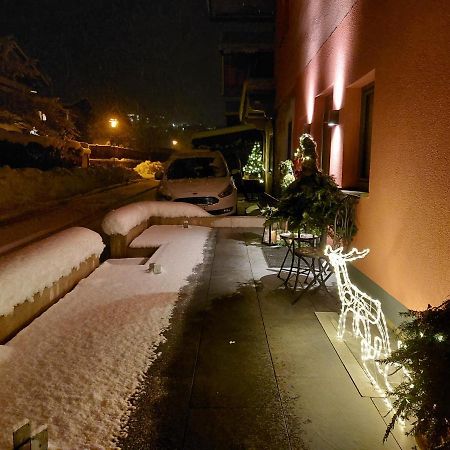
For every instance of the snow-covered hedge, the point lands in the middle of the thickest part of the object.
(33, 268)
(122, 220)
(147, 169)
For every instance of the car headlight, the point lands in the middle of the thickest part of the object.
(227, 191)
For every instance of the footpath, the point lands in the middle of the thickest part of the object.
(243, 368)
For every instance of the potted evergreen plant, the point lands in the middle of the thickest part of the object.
(424, 394)
(310, 203)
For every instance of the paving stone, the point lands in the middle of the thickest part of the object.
(237, 429)
(233, 372)
(324, 413)
(159, 420)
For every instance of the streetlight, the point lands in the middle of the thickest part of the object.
(113, 123)
(174, 142)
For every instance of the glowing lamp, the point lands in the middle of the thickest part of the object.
(174, 142)
(332, 118)
(113, 123)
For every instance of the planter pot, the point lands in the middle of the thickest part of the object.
(422, 442)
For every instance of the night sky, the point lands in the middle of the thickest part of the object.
(148, 56)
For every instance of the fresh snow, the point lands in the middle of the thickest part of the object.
(78, 365)
(26, 189)
(158, 235)
(31, 269)
(122, 220)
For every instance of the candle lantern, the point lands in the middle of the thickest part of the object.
(271, 233)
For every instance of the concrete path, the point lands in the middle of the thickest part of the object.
(243, 368)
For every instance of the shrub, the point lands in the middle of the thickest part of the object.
(147, 169)
(425, 391)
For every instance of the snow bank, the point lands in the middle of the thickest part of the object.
(78, 364)
(31, 269)
(122, 220)
(25, 189)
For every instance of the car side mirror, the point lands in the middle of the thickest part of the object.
(159, 175)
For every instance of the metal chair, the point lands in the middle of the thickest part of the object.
(315, 263)
(293, 241)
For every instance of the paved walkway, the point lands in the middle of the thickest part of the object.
(243, 368)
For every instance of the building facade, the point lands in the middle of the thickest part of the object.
(369, 80)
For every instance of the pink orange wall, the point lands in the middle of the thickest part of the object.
(404, 45)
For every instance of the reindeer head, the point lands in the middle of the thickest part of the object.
(338, 256)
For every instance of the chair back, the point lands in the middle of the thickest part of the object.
(344, 227)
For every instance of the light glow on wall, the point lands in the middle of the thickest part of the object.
(336, 154)
(311, 86)
(339, 80)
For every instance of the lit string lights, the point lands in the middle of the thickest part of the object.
(367, 317)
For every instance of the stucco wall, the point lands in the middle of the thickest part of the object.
(405, 220)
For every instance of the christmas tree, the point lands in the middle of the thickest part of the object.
(254, 166)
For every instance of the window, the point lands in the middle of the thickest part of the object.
(271, 150)
(367, 96)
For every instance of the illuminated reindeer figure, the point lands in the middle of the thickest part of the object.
(367, 312)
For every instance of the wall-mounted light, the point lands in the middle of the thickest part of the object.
(332, 118)
(174, 142)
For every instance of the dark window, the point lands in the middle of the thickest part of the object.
(201, 167)
(271, 150)
(367, 96)
(289, 140)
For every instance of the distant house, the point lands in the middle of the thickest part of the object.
(369, 81)
(19, 70)
(246, 49)
(25, 102)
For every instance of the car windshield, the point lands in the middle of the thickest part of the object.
(198, 167)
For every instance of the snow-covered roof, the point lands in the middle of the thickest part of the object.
(31, 269)
(122, 220)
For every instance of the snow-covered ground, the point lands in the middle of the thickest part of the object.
(27, 189)
(77, 366)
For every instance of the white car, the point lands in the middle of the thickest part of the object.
(201, 178)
